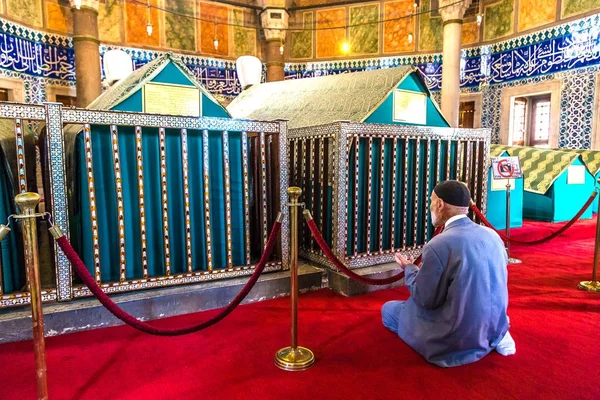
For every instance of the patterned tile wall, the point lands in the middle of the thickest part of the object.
(569, 52)
(576, 105)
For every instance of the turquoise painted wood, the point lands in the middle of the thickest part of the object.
(105, 191)
(384, 114)
(562, 201)
(496, 203)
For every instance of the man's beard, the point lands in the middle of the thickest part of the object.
(435, 219)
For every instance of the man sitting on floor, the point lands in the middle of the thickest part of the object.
(456, 312)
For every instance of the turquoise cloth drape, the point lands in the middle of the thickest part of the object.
(404, 222)
(105, 191)
(13, 267)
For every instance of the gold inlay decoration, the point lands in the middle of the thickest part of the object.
(114, 135)
(263, 163)
(416, 190)
(165, 198)
(356, 197)
(186, 201)
(92, 197)
(369, 192)
(140, 178)
(381, 190)
(393, 204)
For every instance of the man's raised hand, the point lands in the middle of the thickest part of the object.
(403, 262)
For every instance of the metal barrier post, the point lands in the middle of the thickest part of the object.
(294, 358)
(594, 285)
(27, 202)
(510, 259)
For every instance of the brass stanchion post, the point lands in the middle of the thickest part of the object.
(594, 285)
(27, 203)
(510, 259)
(294, 358)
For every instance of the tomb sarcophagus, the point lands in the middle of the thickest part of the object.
(368, 185)
(367, 181)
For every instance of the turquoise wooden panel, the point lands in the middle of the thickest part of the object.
(384, 113)
(569, 198)
(561, 202)
(170, 74)
(496, 205)
(133, 103)
(212, 109)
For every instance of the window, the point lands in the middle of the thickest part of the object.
(518, 124)
(67, 101)
(4, 94)
(540, 122)
(530, 124)
(466, 114)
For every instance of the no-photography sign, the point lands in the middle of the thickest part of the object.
(506, 168)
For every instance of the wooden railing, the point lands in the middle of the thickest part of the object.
(150, 200)
(368, 186)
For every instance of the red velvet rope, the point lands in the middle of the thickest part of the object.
(147, 328)
(539, 241)
(339, 265)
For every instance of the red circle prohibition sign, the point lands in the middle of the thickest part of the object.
(505, 168)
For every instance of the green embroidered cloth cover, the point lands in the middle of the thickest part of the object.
(541, 167)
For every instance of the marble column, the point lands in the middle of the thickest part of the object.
(452, 15)
(275, 62)
(274, 22)
(87, 51)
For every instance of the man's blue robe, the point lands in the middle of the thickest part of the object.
(456, 313)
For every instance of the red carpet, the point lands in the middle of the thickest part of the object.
(556, 328)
